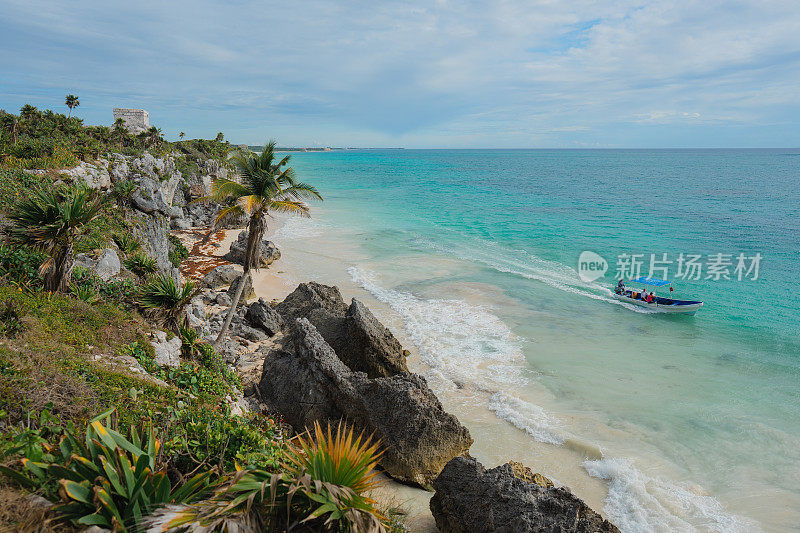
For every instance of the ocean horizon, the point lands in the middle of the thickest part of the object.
(675, 423)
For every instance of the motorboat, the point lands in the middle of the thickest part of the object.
(658, 304)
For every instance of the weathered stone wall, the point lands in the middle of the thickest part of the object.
(136, 120)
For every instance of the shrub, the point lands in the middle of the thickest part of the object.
(20, 264)
(109, 481)
(275, 501)
(141, 264)
(177, 251)
(126, 241)
(10, 314)
(163, 298)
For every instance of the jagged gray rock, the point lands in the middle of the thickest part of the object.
(312, 384)
(471, 499)
(219, 277)
(108, 264)
(261, 315)
(357, 337)
(371, 348)
(248, 291)
(267, 253)
(167, 352)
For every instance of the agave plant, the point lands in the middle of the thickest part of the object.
(86, 293)
(345, 466)
(141, 264)
(324, 489)
(110, 481)
(52, 220)
(164, 298)
(127, 242)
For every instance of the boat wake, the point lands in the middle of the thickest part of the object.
(471, 348)
(521, 263)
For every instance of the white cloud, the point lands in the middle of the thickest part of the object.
(413, 72)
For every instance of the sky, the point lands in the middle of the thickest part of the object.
(419, 74)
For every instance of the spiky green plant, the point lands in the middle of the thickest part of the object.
(345, 464)
(86, 293)
(262, 185)
(52, 220)
(141, 264)
(164, 298)
(109, 481)
(127, 242)
(308, 494)
(122, 192)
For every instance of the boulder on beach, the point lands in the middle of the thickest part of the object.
(267, 253)
(357, 337)
(247, 292)
(262, 316)
(307, 382)
(471, 499)
(219, 277)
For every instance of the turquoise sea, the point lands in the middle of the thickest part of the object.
(688, 423)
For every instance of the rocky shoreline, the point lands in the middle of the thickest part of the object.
(312, 357)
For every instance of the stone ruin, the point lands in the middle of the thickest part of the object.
(136, 120)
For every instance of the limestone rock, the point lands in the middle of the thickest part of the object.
(313, 384)
(526, 474)
(248, 291)
(471, 499)
(357, 337)
(266, 254)
(219, 277)
(167, 352)
(108, 264)
(261, 315)
(372, 348)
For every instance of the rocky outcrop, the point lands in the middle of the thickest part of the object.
(267, 253)
(357, 337)
(371, 347)
(308, 382)
(167, 351)
(107, 265)
(262, 316)
(248, 291)
(471, 499)
(221, 276)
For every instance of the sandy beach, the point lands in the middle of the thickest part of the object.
(306, 256)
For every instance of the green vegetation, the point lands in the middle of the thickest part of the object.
(164, 299)
(140, 264)
(71, 101)
(264, 185)
(69, 378)
(52, 221)
(177, 251)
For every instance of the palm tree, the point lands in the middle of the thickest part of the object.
(263, 185)
(52, 220)
(181, 135)
(164, 298)
(71, 102)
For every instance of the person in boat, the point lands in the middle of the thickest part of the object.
(651, 298)
(621, 287)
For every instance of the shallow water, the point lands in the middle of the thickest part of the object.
(667, 423)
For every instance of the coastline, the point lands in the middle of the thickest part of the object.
(305, 256)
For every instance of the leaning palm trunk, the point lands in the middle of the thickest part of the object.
(55, 273)
(255, 227)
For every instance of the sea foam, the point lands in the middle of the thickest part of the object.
(466, 343)
(637, 502)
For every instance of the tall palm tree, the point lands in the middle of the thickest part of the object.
(181, 135)
(52, 220)
(263, 185)
(71, 102)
